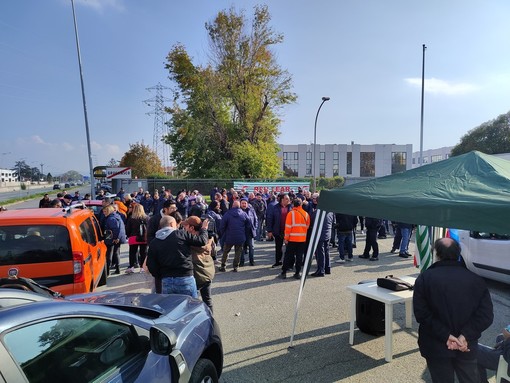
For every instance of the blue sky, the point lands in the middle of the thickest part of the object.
(364, 54)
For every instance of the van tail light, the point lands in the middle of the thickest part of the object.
(78, 267)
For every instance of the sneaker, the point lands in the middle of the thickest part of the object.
(234, 270)
(276, 264)
(222, 268)
(403, 255)
(374, 259)
(142, 271)
(327, 271)
(241, 264)
(252, 263)
(283, 275)
(130, 270)
(340, 260)
(393, 250)
(350, 259)
(364, 256)
(297, 276)
(381, 237)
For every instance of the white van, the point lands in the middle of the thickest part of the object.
(486, 254)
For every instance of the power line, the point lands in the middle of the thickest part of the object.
(160, 128)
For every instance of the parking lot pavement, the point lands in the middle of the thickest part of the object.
(255, 310)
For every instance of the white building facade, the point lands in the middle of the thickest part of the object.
(344, 160)
(8, 175)
(432, 155)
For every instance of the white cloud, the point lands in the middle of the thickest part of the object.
(437, 86)
(100, 5)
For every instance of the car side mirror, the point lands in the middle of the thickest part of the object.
(163, 341)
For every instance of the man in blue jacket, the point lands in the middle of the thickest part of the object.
(234, 226)
(275, 222)
(251, 232)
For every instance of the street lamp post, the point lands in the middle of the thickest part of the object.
(89, 151)
(324, 99)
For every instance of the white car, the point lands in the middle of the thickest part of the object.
(486, 254)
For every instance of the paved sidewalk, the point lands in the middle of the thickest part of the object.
(255, 311)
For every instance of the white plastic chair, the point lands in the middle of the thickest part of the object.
(502, 370)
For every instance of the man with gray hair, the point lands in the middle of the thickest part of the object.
(453, 307)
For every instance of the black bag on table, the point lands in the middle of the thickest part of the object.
(393, 283)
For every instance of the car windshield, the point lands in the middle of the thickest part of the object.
(33, 244)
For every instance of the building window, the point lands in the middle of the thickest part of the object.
(336, 164)
(436, 158)
(308, 164)
(349, 163)
(398, 162)
(290, 163)
(322, 164)
(367, 164)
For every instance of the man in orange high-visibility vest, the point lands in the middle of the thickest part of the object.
(296, 226)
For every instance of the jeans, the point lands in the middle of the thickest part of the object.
(322, 255)
(179, 285)
(488, 359)
(260, 229)
(249, 246)
(406, 234)
(345, 240)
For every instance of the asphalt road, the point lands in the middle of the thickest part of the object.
(255, 311)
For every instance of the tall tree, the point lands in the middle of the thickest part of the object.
(224, 120)
(491, 137)
(143, 161)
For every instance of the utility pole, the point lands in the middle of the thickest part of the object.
(160, 128)
(422, 97)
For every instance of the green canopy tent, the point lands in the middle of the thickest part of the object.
(471, 192)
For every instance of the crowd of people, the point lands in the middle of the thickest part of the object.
(236, 219)
(176, 239)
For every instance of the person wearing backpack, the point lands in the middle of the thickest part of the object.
(136, 231)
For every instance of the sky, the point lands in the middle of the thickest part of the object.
(366, 55)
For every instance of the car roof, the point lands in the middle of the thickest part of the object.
(42, 214)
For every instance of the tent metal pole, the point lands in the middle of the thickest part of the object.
(314, 239)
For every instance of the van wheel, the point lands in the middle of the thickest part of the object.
(102, 280)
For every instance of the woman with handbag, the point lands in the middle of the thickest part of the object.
(136, 231)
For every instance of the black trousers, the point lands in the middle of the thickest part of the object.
(205, 293)
(294, 256)
(278, 246)
(371, 242)
(442, 370)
